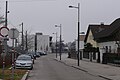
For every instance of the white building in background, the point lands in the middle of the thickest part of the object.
(81, 43)
(43, 43)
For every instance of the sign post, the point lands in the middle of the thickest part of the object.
(4, 33)
(13, 34)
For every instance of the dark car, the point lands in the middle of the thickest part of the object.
(33, 54)
(37, 54)
(42, 53)
(31, 57)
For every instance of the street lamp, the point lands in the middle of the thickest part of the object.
(78, 7)
(60, 38)
(56, 43)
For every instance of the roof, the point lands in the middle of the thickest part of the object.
(110, 30)
(82, 37)
(103, 31)
(95, 29)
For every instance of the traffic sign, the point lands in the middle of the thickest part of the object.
(13, 33)
(4, 31)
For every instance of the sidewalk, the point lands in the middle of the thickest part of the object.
(106, 71)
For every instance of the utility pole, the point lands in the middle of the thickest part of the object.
(22, 38)
(26, 42)
(60, 48)
(56, 43)
(6, 14)
(60, 41)
(35, 43)
(5, 40)
(78, 33)
(15, 49)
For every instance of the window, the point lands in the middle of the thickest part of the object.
(106, 49)
(110, 49)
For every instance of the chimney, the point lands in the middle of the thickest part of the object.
(102, 23)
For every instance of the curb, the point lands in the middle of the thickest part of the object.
(104, 77)
(79, 68)
(76, 67)
(26, 75)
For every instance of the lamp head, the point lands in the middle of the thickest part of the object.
(55, 25)
(70, 6)
(8, 11)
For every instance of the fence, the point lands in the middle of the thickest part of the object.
(8, 60)
(111, 58)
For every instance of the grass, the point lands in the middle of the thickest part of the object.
(18, 74)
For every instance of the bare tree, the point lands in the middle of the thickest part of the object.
(29, 41)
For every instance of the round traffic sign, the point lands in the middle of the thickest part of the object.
(4, 31)
(13, 33)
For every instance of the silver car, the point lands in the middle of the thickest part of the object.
(24, 62)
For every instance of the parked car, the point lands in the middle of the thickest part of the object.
(24, 61)
(32, 57)
(33, 54)
(37, 54)
(42, 53)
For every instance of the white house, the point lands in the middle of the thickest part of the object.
(109, 47)
(105, 37)
(81, 42)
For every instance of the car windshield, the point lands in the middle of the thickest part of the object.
(24, 58)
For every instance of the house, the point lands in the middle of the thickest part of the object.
(109, 39)
(92, 31)
(90, 37)
(73, 47)
(81, 43)
(105, 37)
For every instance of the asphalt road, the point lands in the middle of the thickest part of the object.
(46, 68)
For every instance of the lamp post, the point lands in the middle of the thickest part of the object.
(56, 43)
(78, 7)
(22, 38)
(60, 38)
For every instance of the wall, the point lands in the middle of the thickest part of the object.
(102, 47)
(43, 43)
(90, 39)
(81, 45)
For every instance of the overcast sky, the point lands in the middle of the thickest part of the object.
(42, 15)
